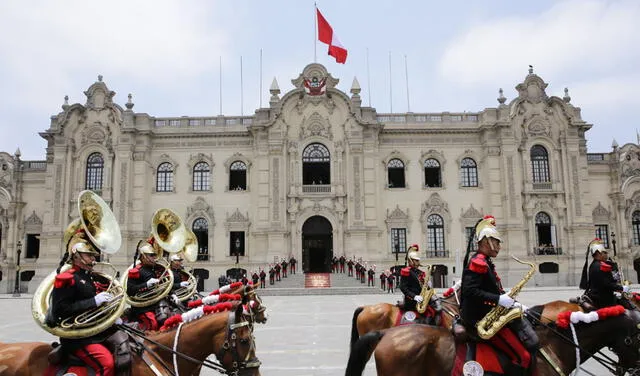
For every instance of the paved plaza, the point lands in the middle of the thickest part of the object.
(304, 336)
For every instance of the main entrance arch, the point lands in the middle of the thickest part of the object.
(317, 245)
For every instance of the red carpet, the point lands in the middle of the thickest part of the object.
(312, 280)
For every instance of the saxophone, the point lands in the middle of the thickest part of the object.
(500, 316)
(427, 292)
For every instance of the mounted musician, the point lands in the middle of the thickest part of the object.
(599, 282)
(415, 285)
(483, 299)
(184, 283)
(85, 303)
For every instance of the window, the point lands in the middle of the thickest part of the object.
(33, 246)
(548, 267)
(164, 178)
(395, 173)
(435, 233)
(468, 173)
(635, 227)
(398, 240)
(316, 165)
(546, 238)
(201, 176)
(432, 173)
(95, 166)
(602, 232)
(236, 243)
(540, 164)
(201, 231)
(238, 176)
(470, 233)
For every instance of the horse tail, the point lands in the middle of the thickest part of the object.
(354, 326)
(361, 352)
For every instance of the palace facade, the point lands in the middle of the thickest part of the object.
(316, 174)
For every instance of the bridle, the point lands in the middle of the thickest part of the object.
(230, 346)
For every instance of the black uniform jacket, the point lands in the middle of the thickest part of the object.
(411, 285)
(481, 290)
(73, 293)
(602, 285)
(177, 278)
(137, 282)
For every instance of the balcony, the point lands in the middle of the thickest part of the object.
(437, 254)
(316, 188)
(545, 186)
(203, 255)
(541, 251)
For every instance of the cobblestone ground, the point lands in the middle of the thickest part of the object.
(305, 335)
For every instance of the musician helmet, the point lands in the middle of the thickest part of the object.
(146, 248)
(80, 243)
(176, 257)
(487, 229)
(596, 245)
(413, 256)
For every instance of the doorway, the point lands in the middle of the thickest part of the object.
(317, 245)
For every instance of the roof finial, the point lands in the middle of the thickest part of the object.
(99, 78)
(614, 144)
(355, 86)
(501, 97)
(17, 153)
(129, 104)
(530, 69)
(65, 105)
(566, 97)
(275, 91)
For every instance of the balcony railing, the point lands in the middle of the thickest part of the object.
(316, 188)
(543, 186)
(437, 254)
(547, 250)
(34, 165)
(203, 256)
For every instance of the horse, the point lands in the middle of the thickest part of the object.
(249, 296)
(224, 334)
(430, 351)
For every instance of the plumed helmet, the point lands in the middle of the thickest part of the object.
(78, 244)
(487, 229)
(413, 256)
(176, 257)
(596, 245)
(146, 249)
(414, 247)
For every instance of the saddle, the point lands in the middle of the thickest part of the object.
(408, 317)
(585, 302)
(117, 343)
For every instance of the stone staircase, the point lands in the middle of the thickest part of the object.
(340, 284)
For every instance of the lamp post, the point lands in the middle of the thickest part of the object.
(396, 244)
(237, 244)
(613, 242)
(16, 290)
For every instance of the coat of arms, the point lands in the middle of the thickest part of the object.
(315, 86)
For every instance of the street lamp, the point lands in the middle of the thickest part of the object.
(16, 290)
(237, 244)
(613, 242)
(396, 244)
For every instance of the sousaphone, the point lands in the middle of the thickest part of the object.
(100, 225)
(190, 252)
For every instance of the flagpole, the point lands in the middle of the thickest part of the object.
(221, 85)
(261, 78)
(315, 30)
(406, 75)
(241, 90)
(368, 79)
(390, 86)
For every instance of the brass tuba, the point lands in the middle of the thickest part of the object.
(500, 316)
(170, 234)
(426, 292)
(190, 252)
(100, 225)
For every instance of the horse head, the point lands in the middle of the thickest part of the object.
(238, 352)
(255, 306)
(627, 344)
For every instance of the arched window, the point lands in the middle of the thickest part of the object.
(468, 173)
(432, 176)
(201, 177)
(238, 176)
(540, 164)
(395, 173)
(316, 165)
(201, 231)
(435, 234)
(164, 178)
(95, 166)
(546, 234)
(635, 226)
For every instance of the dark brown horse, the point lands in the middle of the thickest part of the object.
(225, 334)
(429, 351)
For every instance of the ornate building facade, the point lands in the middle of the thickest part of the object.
(316, 174)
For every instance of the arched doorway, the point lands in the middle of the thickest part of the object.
(439, 276)
(317, 245)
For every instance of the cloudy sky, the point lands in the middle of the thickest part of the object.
(459, 53)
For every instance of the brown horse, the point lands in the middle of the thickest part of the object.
(383, 315)
(249, 296)
(225, 334)
(430, 351)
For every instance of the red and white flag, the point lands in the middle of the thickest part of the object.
(326, 35)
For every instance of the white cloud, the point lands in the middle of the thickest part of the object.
(573, 37)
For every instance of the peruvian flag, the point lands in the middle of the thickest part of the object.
(326, 35)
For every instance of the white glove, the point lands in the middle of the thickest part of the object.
(520, 305)
(152, 281)
(119, 321)
(506, 301)
(184, 284)
(625, 288)
(174, 299)
(418, 298)
(102, 298)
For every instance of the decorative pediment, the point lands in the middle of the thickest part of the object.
(96, 134)
(395, 154)
(316, 126)
(533, 88)
(6, 170)
(200, 157)
(315, 80)
(236, 157)
(398, 214)
(600, 213)
(164, 158)
(434, 205)
(432, 154)
(200, 207)
(538, 127)
(630, 161)
(471, 213)
(33, 223)
(237, 217)
(99, 96)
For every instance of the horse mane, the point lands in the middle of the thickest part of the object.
(169, 330)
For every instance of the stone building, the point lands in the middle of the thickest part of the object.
(316, 174)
